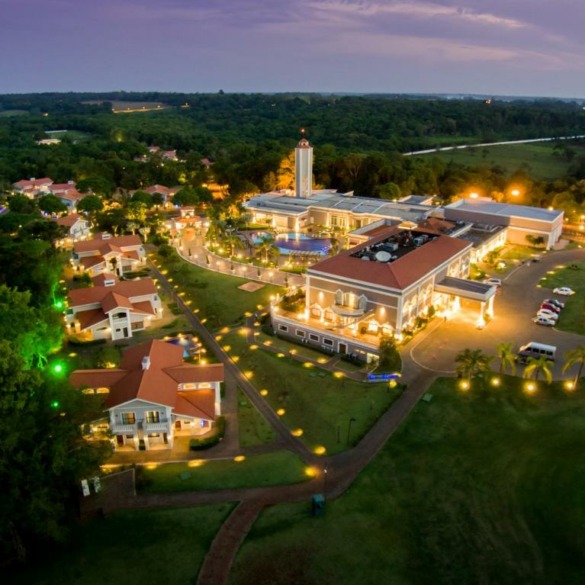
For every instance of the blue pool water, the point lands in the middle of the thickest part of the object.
(294, 242)
(187, 343)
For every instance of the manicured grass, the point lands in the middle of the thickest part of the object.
(131, 548)
(216, 296)
(281, 467)
(313, 400)
(538, 158)
(572, 317)
(478, 487)
(252, 426)
(517, 252)
(286, 346)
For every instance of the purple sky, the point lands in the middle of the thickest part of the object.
(514, 47)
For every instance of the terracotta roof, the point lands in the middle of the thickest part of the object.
(126, 288)
(100, 279)
(97, 243)
(69, 220)
(73, 195)
(96, 378)
(62, 187)
(152, 384)
(143, 307)
(33, 183)
(196, 374)
(400, 273)
(440, 226)
(113, 301)
(91, 261)
(196, 404)
(158, 189)
(90, 318)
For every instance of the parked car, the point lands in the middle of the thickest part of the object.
(543, 321)
(554, 302)
(493, 281)
(549, 307)
(564, 290)
(547, 314)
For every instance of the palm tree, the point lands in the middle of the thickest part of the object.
(232, 242)
(507, 357)
(266, 248)
(538, 366)
(573, 357)
(472, 363)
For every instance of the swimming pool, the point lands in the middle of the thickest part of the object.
(295, 242)
(189, 345)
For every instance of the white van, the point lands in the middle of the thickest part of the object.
(532, 349)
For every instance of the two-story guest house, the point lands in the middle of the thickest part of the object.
(154, 396)
(111, 309)
(105, 253)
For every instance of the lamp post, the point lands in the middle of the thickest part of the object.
(325, 481)
(351, 420)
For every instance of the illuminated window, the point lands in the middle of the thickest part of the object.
(128, 418)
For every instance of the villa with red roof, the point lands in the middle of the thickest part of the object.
(383, 286)
(33, 187)
(112, 309)
(105, 253)
(77, 228)
(167, 192)
(155, 396)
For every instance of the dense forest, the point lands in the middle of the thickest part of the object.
(358, 142)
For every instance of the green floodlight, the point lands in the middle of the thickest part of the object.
(58, 305)
(58, 368)
(55, 404)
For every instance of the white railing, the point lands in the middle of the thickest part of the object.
(121, 429)
(160, 427)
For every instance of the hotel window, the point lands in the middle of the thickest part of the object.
(282, 328)
(300, 333)
(152, 416)
(128, 418)
(313, 337)
(327, 341)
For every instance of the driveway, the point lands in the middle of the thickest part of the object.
(514, 307)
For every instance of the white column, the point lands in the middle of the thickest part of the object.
(217, 399)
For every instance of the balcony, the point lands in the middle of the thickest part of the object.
(121, 429)
(345, 311)
(159, 427)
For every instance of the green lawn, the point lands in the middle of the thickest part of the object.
(217, 296)
(253, 427)
(537, 158)
(281, 467)
(313, 399)
(477, 487)
(572, 317)
(131, 548)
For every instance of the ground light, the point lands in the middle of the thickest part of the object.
(58, 305)
(464, 385)
(530, 388)
(58, 369)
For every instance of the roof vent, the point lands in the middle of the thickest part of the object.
(383, 256)
(106, 236)
(146, 362)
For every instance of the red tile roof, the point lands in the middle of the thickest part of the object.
(130, 381)
(69, 220)
(100, 279)
(125, 288)
(90, 318)
(113, 301)
(196, 374)
(97, 243)
(33, 183)
(400, 273)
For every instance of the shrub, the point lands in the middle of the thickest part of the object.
(207, 442)
(79, 342)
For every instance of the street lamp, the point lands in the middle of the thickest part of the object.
(325, 480)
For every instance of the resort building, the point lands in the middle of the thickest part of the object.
(384, 286)
(105, 253)
(154, 396)
(77, 228)
(112, 309)
(520, 220)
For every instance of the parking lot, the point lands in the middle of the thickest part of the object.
(515, 306)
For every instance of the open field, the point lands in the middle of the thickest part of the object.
(12, 113)
(281, 467)
(253, 427)
(214, 296)
(537, 158)
(133, 548)
(315, 403)
(572, 317)
(479, 487)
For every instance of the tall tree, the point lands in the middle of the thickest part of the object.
(507, 357)
(538, 366)
(575, 357)
(472, 363)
